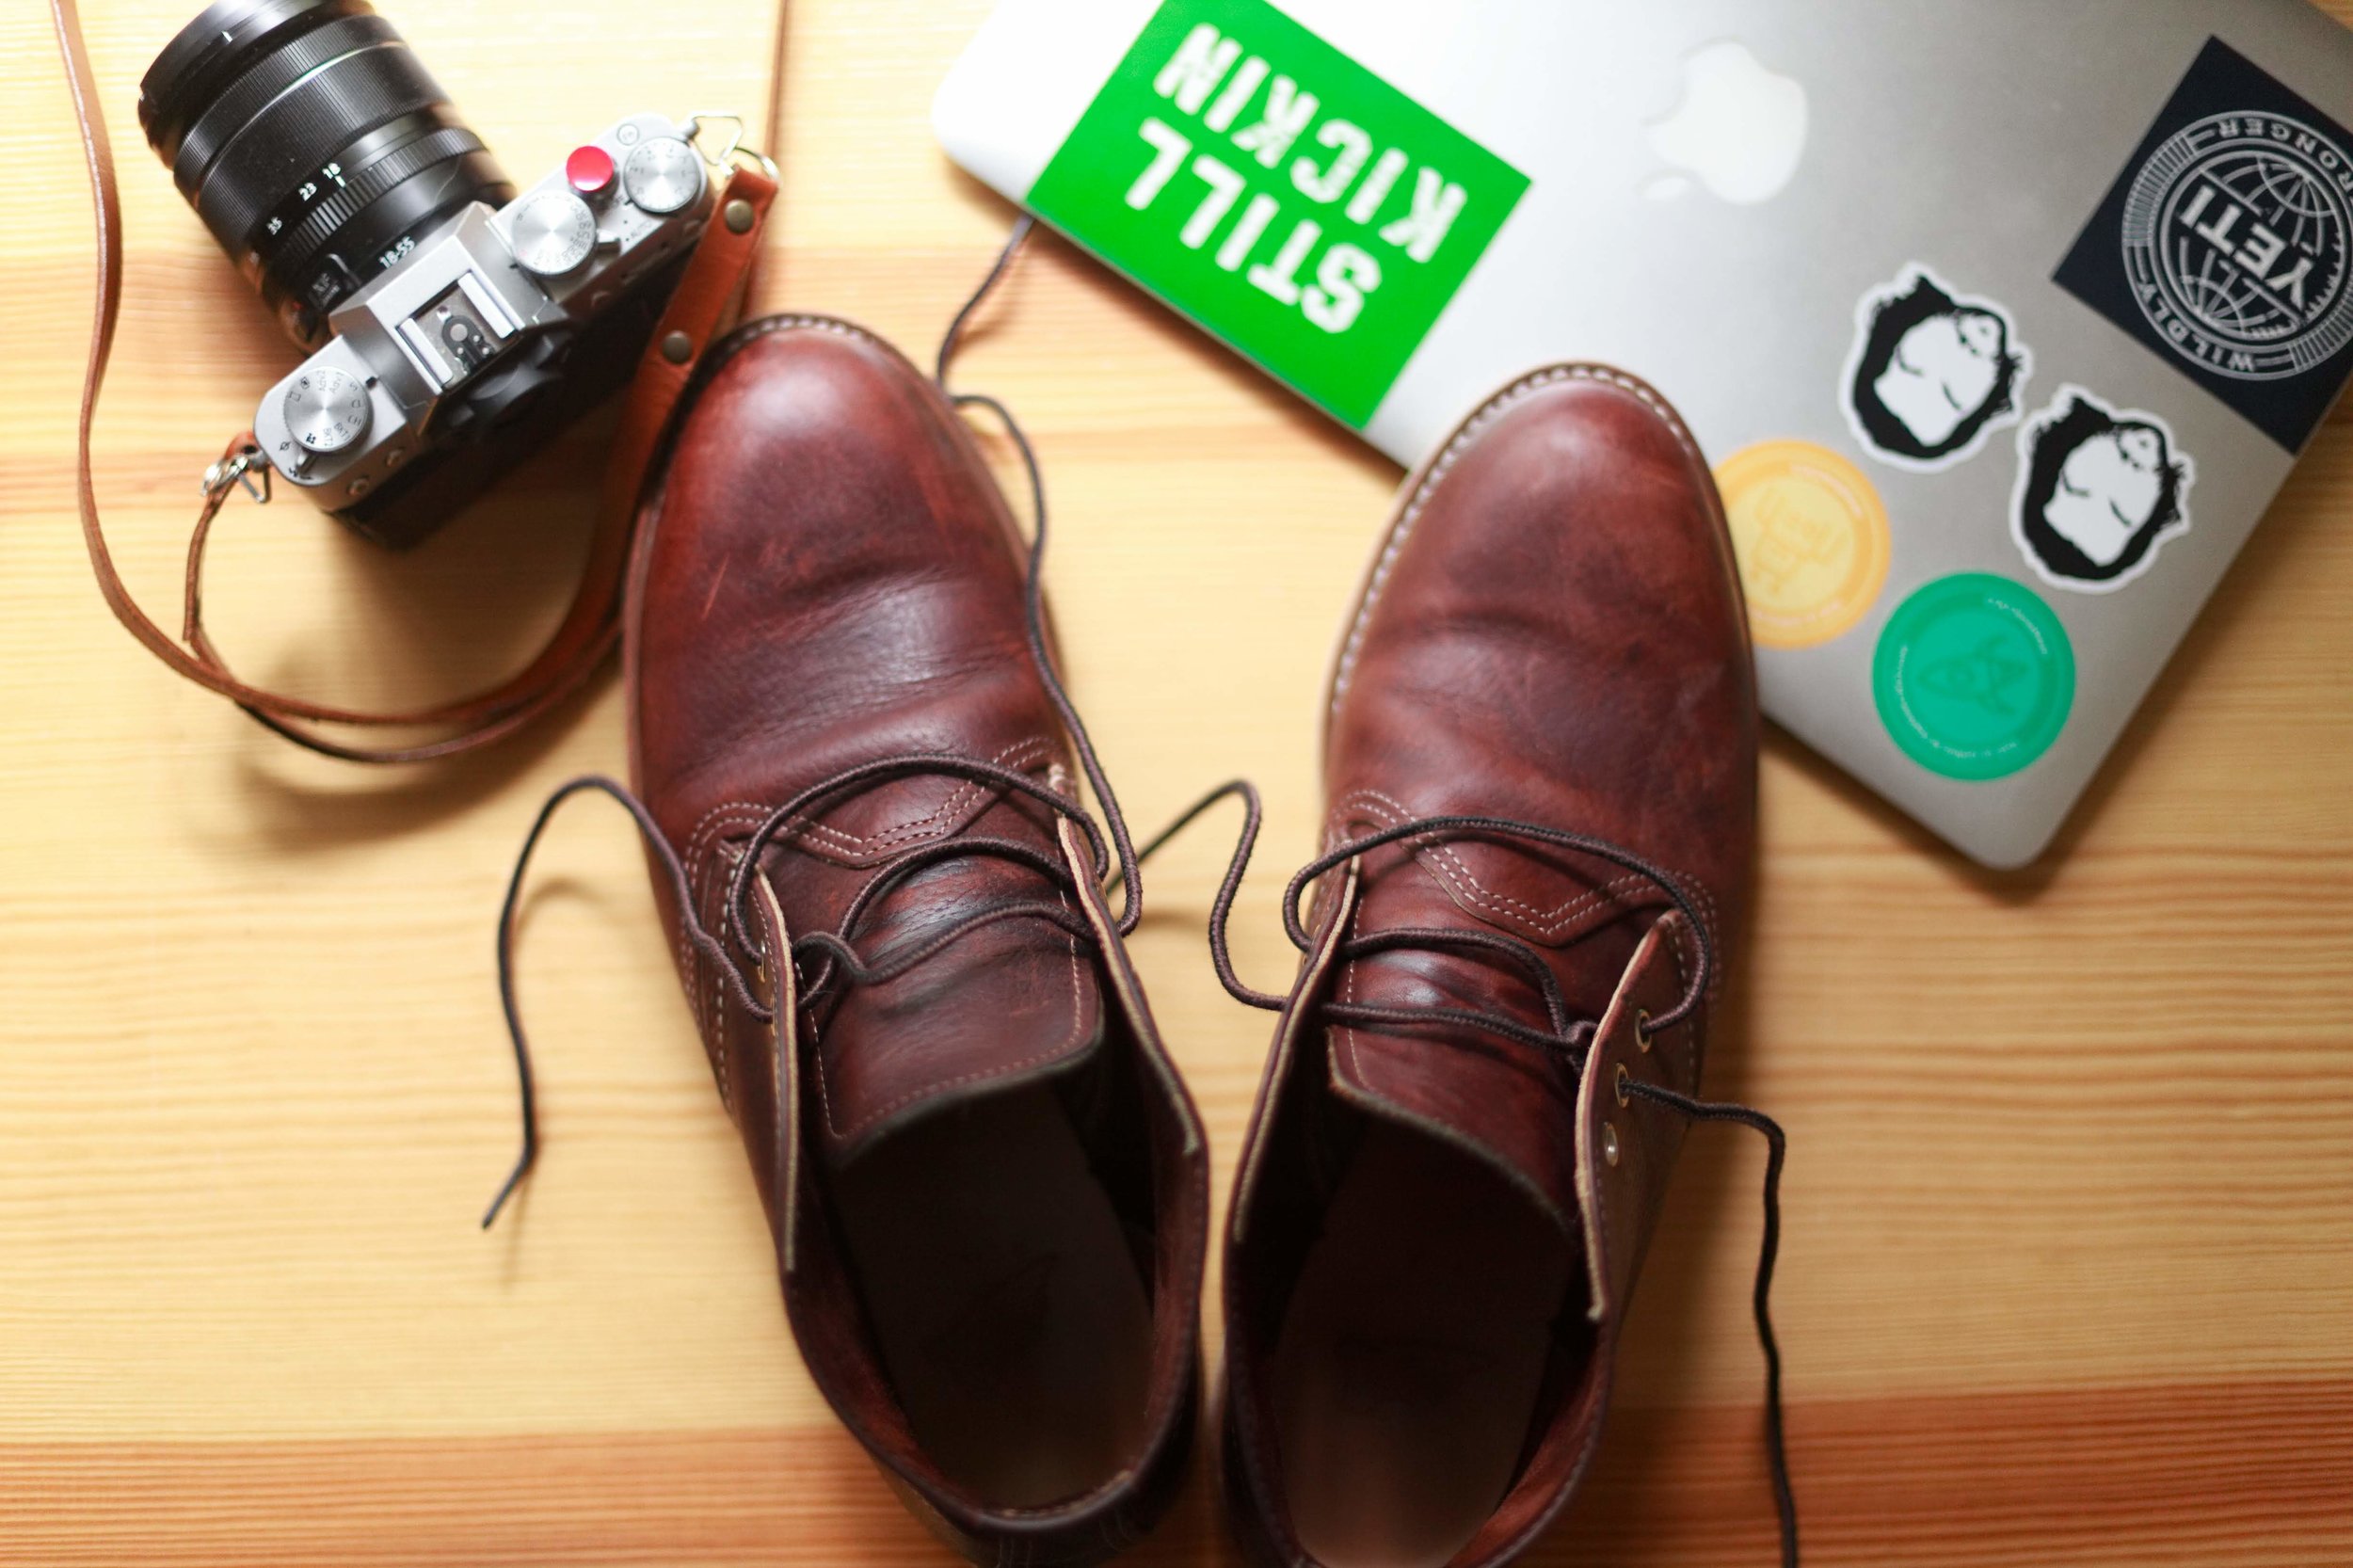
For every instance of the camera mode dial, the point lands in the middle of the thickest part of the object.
(554, 232)
(326, 410)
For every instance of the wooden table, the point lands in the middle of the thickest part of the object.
(2069, 1270)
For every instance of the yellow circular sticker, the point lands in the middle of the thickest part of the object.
(1812, 537)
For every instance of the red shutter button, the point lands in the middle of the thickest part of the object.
(590, 171)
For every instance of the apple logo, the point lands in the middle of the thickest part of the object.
(1741, 129)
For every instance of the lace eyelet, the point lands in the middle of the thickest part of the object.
(1609, 1142)
(1642, 1029)
(1622, 1080)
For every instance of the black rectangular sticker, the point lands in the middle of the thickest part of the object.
(2224, 246)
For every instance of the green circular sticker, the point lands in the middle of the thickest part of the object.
(1974, 677)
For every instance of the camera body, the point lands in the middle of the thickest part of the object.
(481, 338)
(452, 325)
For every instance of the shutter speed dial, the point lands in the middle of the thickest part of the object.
(554, 232)
(326, 410)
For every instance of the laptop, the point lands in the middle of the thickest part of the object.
(2002, 321)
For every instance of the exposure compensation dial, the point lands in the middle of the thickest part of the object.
(662, 175)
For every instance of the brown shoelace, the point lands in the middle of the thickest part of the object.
(736, 952)
(1569, 1039)
(735, 948)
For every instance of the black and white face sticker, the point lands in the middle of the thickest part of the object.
(1933, 373)
(2100, 490)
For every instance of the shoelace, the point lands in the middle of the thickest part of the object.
(1570, 1039)
(1118, 864)
(735, 951)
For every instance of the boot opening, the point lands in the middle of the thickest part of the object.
(1430, 1314)
(1004, 1275)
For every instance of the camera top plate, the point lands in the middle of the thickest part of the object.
(453, 309)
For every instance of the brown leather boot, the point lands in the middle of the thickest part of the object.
(859, 780)
(1540, 760)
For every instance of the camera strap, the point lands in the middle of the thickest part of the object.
(708, 296)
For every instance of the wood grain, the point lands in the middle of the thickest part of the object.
(2068, 1268)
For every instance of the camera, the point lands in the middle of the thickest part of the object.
(455, 324)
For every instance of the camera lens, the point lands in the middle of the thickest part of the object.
(314, 144)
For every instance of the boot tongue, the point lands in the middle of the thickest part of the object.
(1510, 1102)
(997, 1007)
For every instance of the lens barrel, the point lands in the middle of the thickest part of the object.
(314, 144)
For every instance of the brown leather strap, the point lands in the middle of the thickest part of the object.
(711, 291)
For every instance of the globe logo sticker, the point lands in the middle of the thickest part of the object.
(1974, 678)
(2236, 235)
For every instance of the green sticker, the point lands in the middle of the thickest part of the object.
(1280, 193)
(1974, 676)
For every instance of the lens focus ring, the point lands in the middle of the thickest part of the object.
(212, 51)
(288, 141)
(235, 109)
(315, 145)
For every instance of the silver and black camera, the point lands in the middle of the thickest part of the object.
(456, 326)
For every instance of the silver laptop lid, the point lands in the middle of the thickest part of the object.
(2003, 322)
